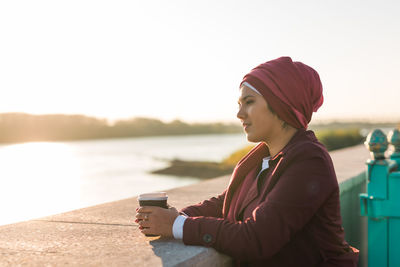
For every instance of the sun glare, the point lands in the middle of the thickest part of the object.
(32, 177)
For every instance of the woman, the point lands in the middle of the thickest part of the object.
(281, 207)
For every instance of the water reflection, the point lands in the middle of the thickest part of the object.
(44, 178)
(40, 179)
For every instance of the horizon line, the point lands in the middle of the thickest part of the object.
(316, 121)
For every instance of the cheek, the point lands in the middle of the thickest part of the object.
(255, 111)
(264, 122)
(259, 114)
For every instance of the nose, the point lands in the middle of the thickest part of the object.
(241, 114)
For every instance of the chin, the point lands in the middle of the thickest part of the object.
(252, 139)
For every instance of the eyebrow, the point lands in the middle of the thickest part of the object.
(242, 99)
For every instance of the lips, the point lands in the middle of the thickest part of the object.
(246, 126)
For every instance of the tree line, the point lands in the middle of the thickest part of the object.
(22, 127)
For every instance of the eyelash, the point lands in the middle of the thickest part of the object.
(248, 102)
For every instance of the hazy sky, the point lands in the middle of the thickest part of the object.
(185, 59)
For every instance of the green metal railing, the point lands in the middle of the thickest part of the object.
(381, 203)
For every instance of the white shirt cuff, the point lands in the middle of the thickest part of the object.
(177, 228)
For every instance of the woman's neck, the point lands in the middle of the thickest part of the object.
(276, 144)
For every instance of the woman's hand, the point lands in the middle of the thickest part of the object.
(155, 220)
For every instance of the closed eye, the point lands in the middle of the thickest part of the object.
(246, 100)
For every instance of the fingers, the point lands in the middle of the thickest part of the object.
(142, 216)
(146, 231)
(143, 213)
(146, 227)
(144, 223)
(147, 209)
(155, 220)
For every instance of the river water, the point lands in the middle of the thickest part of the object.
(43, 178)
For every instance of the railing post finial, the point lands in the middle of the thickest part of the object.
(377, 143)
(394, 139)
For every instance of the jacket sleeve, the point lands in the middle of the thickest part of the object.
(208, 208)
(301, 190)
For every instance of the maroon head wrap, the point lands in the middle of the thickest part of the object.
(292, 89)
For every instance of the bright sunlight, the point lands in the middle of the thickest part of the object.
(33, 175)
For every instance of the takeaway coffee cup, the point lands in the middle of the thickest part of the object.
(154, 199)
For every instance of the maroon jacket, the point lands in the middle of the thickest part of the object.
(291, 219)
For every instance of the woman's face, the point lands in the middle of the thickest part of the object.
(259, 123)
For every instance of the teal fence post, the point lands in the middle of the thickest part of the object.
(394, 139)
(381, 203)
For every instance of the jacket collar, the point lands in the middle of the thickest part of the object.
(255, 156)
(299, 136)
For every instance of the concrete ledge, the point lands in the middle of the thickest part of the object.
(105, 235)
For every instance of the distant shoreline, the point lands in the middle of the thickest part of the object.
(22, 128)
